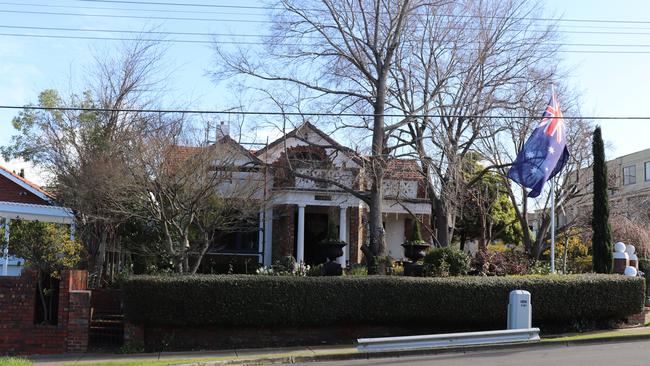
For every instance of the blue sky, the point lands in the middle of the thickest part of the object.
(611, 84)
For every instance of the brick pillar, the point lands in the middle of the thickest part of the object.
(78, 321)
(74, 309)
(283, 231)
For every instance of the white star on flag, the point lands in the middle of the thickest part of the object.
(551, 150)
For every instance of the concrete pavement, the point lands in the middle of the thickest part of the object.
(343, 353)
(633, 353)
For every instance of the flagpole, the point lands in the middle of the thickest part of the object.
(553, 208)
(552, 225)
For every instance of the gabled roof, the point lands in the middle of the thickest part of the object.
(229, 140)
(26, 185)
(178, 153)
(307, 125)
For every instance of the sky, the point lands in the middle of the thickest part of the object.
(611, 84)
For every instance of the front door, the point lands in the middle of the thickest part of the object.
(315, 232)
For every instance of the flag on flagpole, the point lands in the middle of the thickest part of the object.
(544, 153)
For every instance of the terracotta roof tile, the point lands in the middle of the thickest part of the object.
(403, 169)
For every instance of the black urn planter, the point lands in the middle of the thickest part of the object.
(332, 249)
(415, 252)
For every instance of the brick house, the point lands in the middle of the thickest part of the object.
(297, 209)
(24, 200)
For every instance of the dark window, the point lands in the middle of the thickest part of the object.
(238, 242)
(629, 175)
(646, 167)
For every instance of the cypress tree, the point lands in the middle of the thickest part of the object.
(602, 235)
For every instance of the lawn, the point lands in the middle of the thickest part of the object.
(12, 361)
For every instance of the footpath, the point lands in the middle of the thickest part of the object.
(269, 356)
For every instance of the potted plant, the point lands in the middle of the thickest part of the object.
(332, 248)
(415, 248)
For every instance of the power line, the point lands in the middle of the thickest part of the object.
(318, 114)
(132, 16)
(259, 35)
(269, 21)
(203, 11)
(207, 42)
(568, 20)
(182, 4)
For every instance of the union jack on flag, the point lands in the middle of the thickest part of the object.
(553, 120)
(544, 153)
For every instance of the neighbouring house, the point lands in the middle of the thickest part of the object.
(629, 191)
(21, 199)
(297, 209)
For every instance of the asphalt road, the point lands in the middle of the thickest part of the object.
(632, 353)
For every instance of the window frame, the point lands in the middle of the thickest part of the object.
(632, 176)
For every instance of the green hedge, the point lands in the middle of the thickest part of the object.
(238, 300)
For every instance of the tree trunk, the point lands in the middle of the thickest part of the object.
(100, 256)
(482, 242)
(377, 241)
(463, 239)
(41, 296)
(199, 259)
(442, 223)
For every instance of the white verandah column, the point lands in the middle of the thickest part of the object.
(343, 235)
(5, 265)
(300, 252)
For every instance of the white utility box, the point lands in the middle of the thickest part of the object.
(520, 311)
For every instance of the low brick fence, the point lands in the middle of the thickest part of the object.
(19, 335)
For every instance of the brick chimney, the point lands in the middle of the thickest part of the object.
(222, 130)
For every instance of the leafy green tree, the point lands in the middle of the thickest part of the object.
(486, 212)
(602, 232)
(49, 249)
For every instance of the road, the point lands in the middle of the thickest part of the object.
(632, 353)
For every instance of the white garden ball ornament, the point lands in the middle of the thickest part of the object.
(620, 247)
(630, 271)
(630, 249)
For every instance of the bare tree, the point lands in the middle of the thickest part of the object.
(341, 52)
(463, 65)
(190, 191)
(501, 151)
(84, 150)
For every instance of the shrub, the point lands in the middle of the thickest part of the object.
(464, 302)
(314, 271)
(446, 261)
(495, 263)
(357, 270)
(488, 263)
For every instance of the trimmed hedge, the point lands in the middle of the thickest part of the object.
(212, 300)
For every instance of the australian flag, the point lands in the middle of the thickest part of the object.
(544, 153)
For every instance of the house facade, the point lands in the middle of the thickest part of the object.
(21, 199)
(309, 179)
(628, 190)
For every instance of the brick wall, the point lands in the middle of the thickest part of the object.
(19, 334)
(283, 231)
